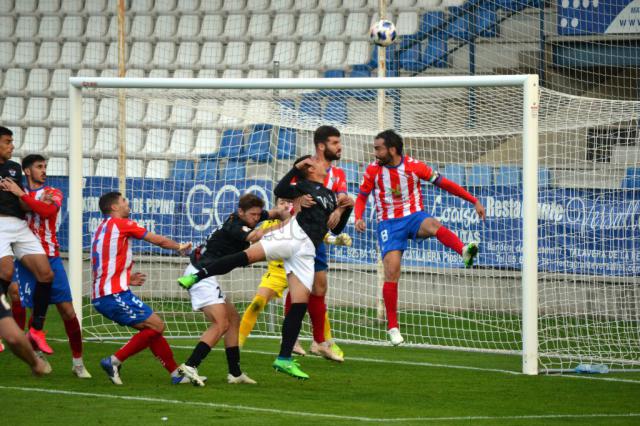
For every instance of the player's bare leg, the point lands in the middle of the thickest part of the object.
(318, 313)
(431, 227)
(19, 345)
(39, 266)
(391, 264)
(232, 350)
(74, 334)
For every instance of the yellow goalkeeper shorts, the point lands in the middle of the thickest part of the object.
(276, 282)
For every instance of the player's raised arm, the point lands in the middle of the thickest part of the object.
(167, 243)
(361, 202)
(284, 188)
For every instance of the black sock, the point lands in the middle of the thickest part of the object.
(223, 265)
(41, 299)
(4, 286)
(199, 353)
(291, 328)
(233, 360)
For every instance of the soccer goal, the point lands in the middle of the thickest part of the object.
(557, 275)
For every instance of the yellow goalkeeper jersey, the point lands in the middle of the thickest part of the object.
(274, 267)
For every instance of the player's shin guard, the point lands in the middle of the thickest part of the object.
(390, 296)
(250, 317)
(163, 353)
(233, 360)
(223, 265)
(291, 328)
(19, 313)
(317, 310)
(449, 239)
(138, 342)
(199, 353)
(74, 334)
(41, 298)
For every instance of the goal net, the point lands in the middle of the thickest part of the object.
(189, 153)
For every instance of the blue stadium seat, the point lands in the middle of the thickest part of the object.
(435, 54)
(459, 27)
(286, 144)
(310, 105)
(632, 179)
(544, 177)
(332, 74)
(517, 5)
(454, 172)
(507, 176)
(207, 171)
(233, 170)
(259, 143)
(183, 170)
(480, 175)
(231, 144)
(431, 22)
(336, 110)
(392, 64)
(411, 58)
(486, 21)
(352, 172)
(361, 70)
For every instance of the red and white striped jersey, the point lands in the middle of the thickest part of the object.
(335, 180)
(111, 255)
(397, 190)
(45, 227)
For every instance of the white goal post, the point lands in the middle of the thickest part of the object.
(530, 107)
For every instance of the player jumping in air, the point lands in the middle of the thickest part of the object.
(235, 235)
(17, 241)
(395, 181)
(111, 262)
(44, 203)
(295, 243)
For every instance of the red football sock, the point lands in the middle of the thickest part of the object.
(287, 303)
(163, 353)
(19, 313)
(449, 239)
(317, 309)
(390, 296)
(72, 327)
(137, 343)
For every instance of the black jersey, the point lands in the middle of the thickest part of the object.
(313, 220)
(9, 203)
(230, 238)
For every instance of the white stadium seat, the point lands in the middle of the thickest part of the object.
(60, 80)
(57, 166)
(135, 111)
(13, 109)
(18, 138)
(233, 111)
(206, 113)
(107, 111)
(164, 54)
(87, 167)
(58, 140)
(407, 23)
(181, 114)
(233, 5)
(71, 53)
(107, 140)
(308, 25)
(329, 4)
(236, 53)
(283, 25)
(37, 109)
(159, 73)
(259, 53)
(6, 6)
(163, 6)
(183, 73)
(181, 141)
(109, 73)
(359, 52)
(95, 6)
(428, 4)
(206, 142)
(49, 6)
(94, 54)
(26, 27)
(134, 141)
(141, 6)
(107, 167)
(25, 6)
(333, 54)
(97, 26)
(332, 25)
(257, 5)
(6, 52)
(285, 53)
(259, 25)
(165, 27)
(259, 110)
(188, 5)
(111, 60)
(402, 4)
(72, 26)
(134, 73)
(211, 54)
(305, 4)
(157, 169)
(72, 6)
(113, 26)
(279, 5)
(156, 114)
(15, 79)
(88, 110)
(59, 111)
(7, 25)
(157, 141)
(35, 139)
(134, 168)
(212, 26)
(50, 27)
(49, 53)
(357, 25)
(189, 26)
(308, 53)
(142, 26)
(141, 54)
(188, 54)
(25, 53)
(235, 26)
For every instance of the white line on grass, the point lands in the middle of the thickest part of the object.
(308, 414)
(427, 364)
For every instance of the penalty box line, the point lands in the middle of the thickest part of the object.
(308, 414)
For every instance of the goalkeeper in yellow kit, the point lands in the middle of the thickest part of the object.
(274, 283)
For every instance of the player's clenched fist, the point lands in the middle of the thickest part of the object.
(361, 226)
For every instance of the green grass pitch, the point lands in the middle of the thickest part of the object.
(376, 384)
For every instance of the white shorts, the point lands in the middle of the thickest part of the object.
(16, 239)
(291, 244)
(205, 292)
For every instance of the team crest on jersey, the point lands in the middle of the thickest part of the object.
(246, 229)
(12, 172)
(396, 191)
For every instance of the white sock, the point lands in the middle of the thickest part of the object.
(115, 361)
(77, 362)
(174, 373)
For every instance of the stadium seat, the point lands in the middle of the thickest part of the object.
(141, 26)
(286, 149)
(235, 26)
(95, 6)
(165, 27)
(305, 4)
(631, 179)
(259, 26)
(278, 5)
(259, 54)
(60, 81)
(141, 54)
(6, 52)
(235, 53)
(431, 22)
(357, 25)
(88, 109)
(231, 144)
(188, 27)
(18, 137)
(310, 106)
(7, 26)
(135, 111)
(333, 54)
(211, 54)
(507, 176)
(134, 73)
(207, 171)
(283, 25)
(35, 140)
(212, 26)
(183, 170)
(183, 73)
(88, 167)
(455, 172)
(544, 177)
(182, 115)
(157, 169)
(13, 109)
(459, 28)
(94, 54)
(257, 5)
(156, 113)
(332, 25)
(181, 141)
(158, 73)
(111, 60)
(206, 142)
(71, 54)
(480, 175)
(233, 111)
(107, 111)
(233, 170)
(284, 53)
(354, 4)
(336, 110)
(59, 111)
(164, 54)
(486, 21)
(157, 141)
(259, 110)
(25, 6)
(106, 140)
(57, 166)
(134, 168)
(407, 23)
(37, 109)
(308, 25)
(435, 53)
(206, 113)
(71, 6)
(411, 58)
(58, 141)
(15, 79)
(26, 27)
(258, 146)
(113, 27)
(309, 54)
(134, 141)
(38, 80)
(25, 53)
(72, 26)
(233, 5)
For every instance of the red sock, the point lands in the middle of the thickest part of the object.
(390, 296)
(317, 309)
(163, 352)
(287, 304)
(29, 324)
(72, 327)
(19, 313)
(449, 239)
(137, 343)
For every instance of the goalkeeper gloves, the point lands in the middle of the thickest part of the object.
(338, 240)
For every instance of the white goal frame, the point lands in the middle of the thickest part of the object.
(530, 106)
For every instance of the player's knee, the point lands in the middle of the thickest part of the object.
(223, 325)
(67, 313)
(12, 339)
(14, 294)
(44, 276)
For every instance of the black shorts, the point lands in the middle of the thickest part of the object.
(5, 307)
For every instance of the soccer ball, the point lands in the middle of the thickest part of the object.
(383, 33)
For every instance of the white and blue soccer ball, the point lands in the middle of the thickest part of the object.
(383, 33)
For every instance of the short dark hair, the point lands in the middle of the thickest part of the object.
(5, 132)
(323, 133)
(391, 139)
(250, 200)
(304, 172)
(30, 159)
(108, 200)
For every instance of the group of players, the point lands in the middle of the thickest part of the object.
(312, 200)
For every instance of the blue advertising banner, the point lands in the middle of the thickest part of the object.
(582, 17)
